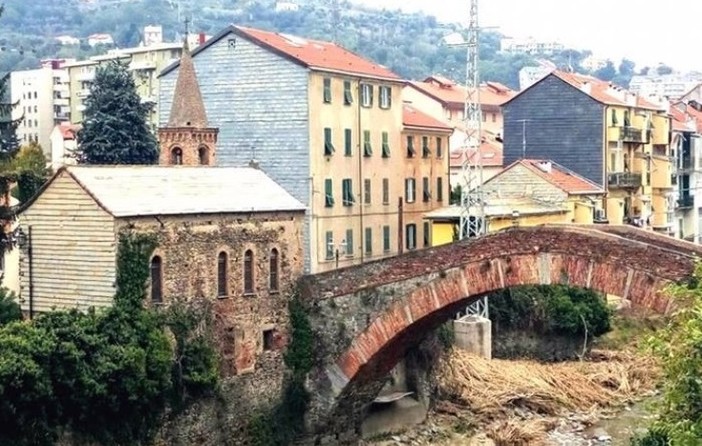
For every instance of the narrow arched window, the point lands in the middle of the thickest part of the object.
(156, 280)
(222, 280)
(248, 272)
(177, 156)
(273, 274)
(203, 156)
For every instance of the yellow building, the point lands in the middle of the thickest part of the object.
(144, 62)
(527, 193)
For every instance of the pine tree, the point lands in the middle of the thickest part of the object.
(115, 130)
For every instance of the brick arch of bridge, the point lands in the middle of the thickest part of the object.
(367, 317)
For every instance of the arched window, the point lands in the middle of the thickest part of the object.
(273, 274)
(222, 279)
(177, 156)
(248, 272)
(203, 156)
(156, 280)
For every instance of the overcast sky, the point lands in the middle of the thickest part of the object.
(647, 32)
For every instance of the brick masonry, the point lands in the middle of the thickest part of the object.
(367, 317)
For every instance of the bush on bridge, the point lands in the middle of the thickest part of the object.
(550, 310)
(104, 376)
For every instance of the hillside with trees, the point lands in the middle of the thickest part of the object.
(410, 44)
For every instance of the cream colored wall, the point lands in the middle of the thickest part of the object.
(426, 104)
(498, 223)
(357, 167)
(73, 249)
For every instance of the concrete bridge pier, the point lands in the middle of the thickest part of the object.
(474, 335)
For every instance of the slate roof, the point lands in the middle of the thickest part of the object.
(130, 191)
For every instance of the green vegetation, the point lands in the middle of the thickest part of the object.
(550, 310)
(410, 44)
(30, 166)
(679, 348)
(115, 130)
(102, 376)
(9, 308)
(280, 425)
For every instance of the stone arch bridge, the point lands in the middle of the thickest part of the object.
(367, 317)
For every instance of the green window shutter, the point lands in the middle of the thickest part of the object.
(410, 147)
(370, 92)
(348, 142)
(425, 147)
(427, 234)
(439, 149)
(367, 149)
(328, 193)
(367, 191)
(439, 189)
(426, 193)
(329, 244)
(389, 97)
(369, 241)
(386, 238)
(386, 191)
(347, 190)
(327, 91)
(348, 96)
(614, 118)
(328, 145)
(349, 242)
(386, 145)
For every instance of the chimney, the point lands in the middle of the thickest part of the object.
(201, 38)
(254, 164)
(545, 166)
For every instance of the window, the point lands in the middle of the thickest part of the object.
(366, 95)
(494, 117)
(627, 121)
(348, 96)
(328, 193)
(386, 146)
(367, 149)
(386, 191)
(386, 238)
(425, 147)
(615, 121)
(426, 193)
(329, 245)
(367, 191)
(347, 192)
(427, 234)
(273, 275)
(439, 189)
(385, 97)
(268, 340)
(327, 91)
(222, 263)
(349, 242)
(411, 236)
(156, 280)
(203, 156)
(409, 190)
(248, 272)
(176, 156)
(347, 142)
(369, 241)
(439, 149)
(410, 147)
(328, 146)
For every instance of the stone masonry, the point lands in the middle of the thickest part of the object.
(252, 367)
(367, 317)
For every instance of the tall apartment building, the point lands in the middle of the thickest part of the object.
(530, 46)
(686, 151)
(608, 135)
(324, 123)
(672, 86)
(43, 101)
(144, 62)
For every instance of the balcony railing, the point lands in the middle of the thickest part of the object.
(631, 134)
(624, 180)
(686, 201)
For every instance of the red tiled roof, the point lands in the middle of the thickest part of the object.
(411, 117)
(451, 94)
(680, 119)
(490, 154)
(602, 91)
(68, 131)
(559, 176)
(317, 54)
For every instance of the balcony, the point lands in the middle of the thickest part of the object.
(143, 65)
(87, 76)
(83, 93)
(631, 134)
(624, 180)
(62, 116)
(686, 201)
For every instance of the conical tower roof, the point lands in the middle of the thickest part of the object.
(188, 109)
